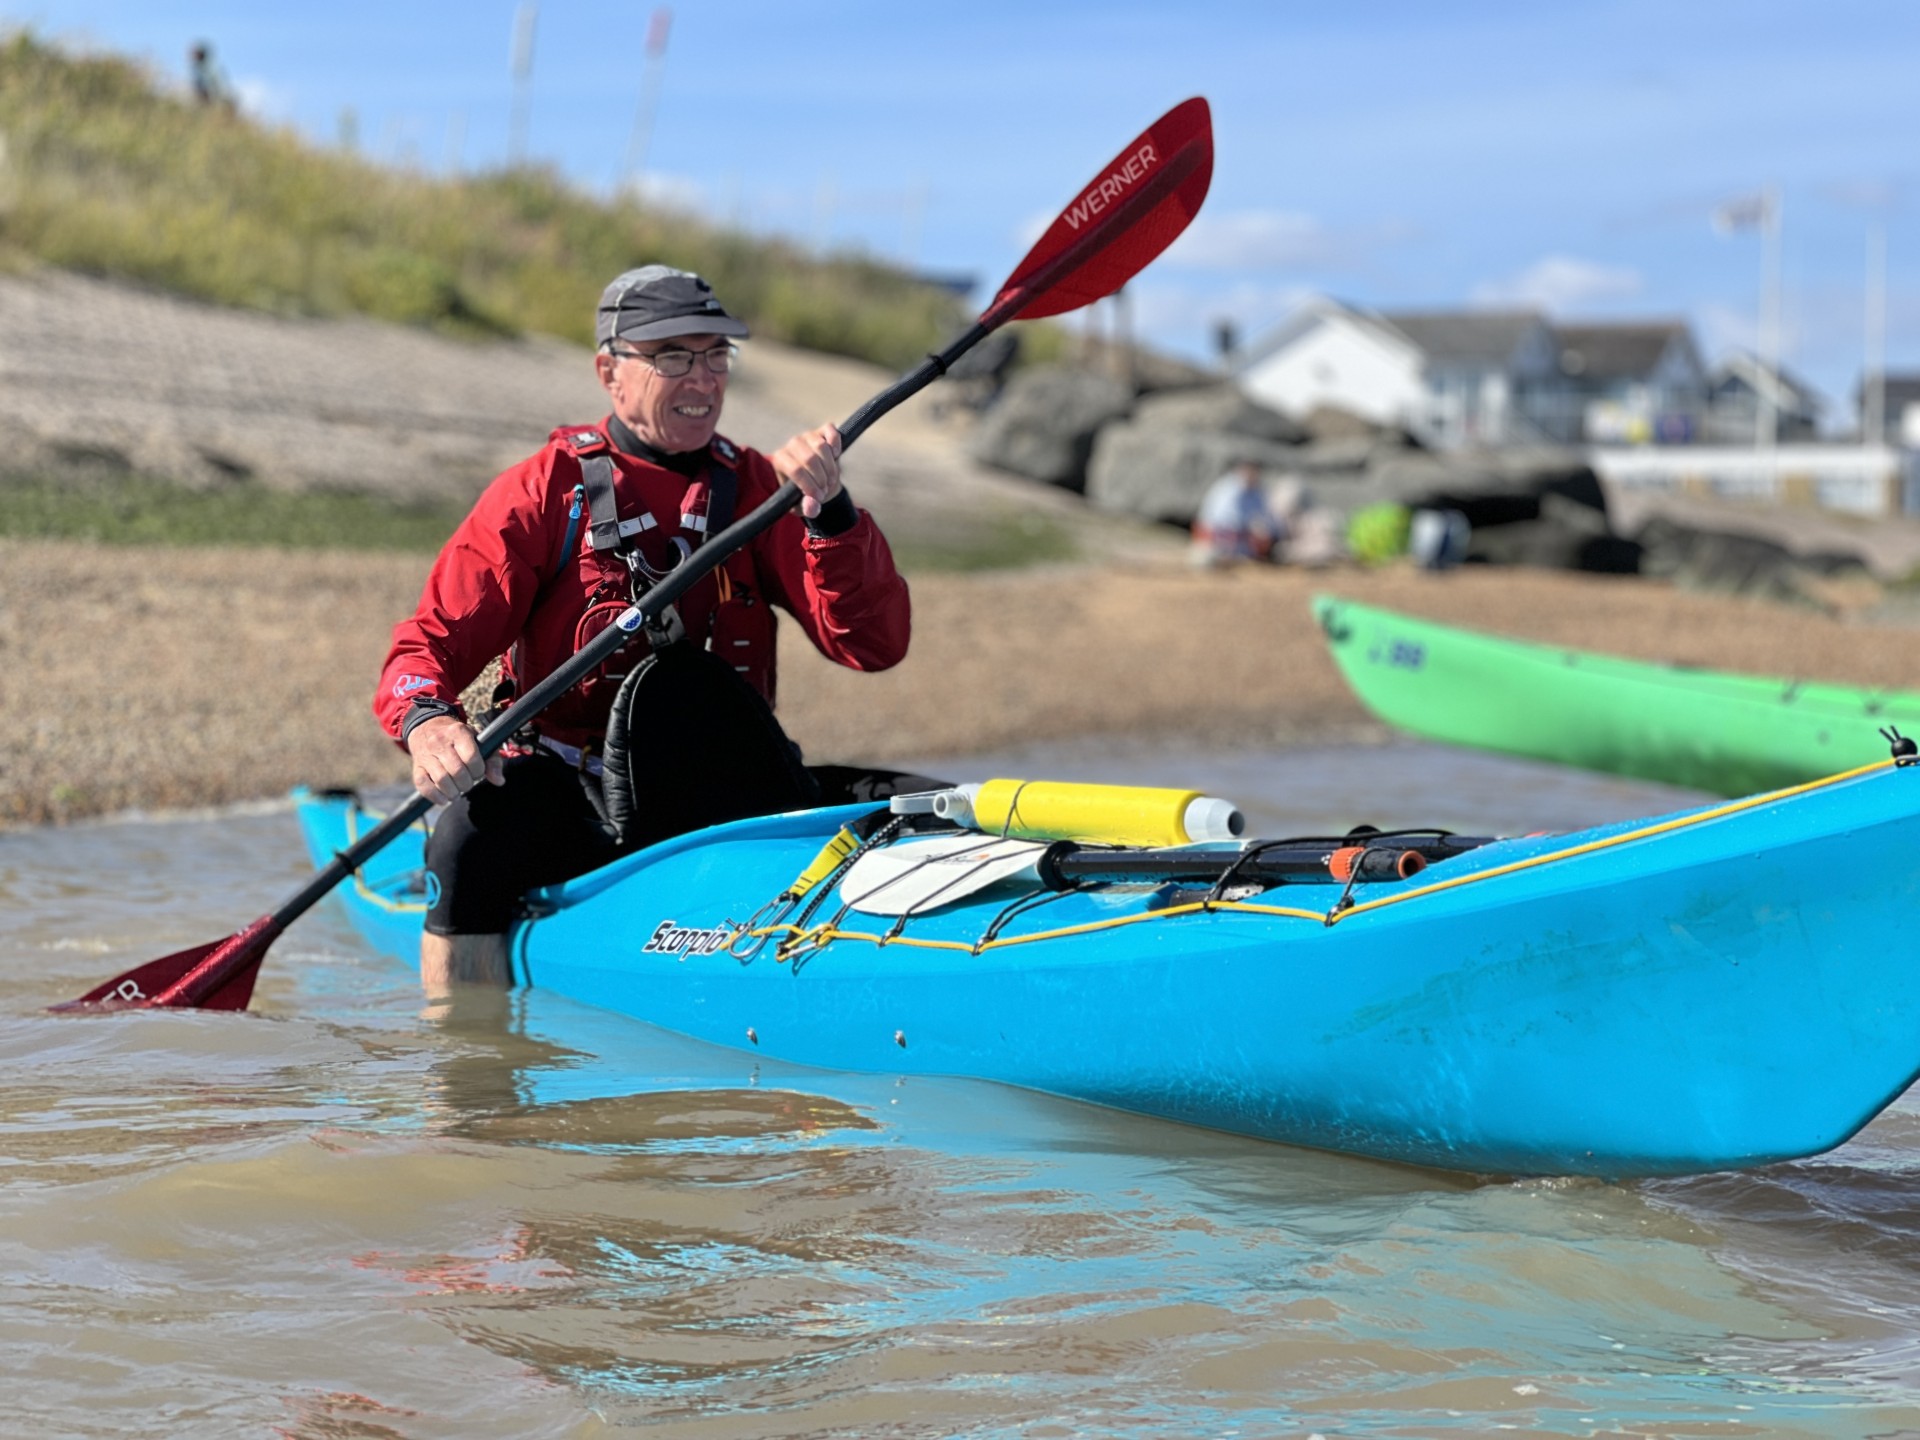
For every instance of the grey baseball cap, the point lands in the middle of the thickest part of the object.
(657, 302)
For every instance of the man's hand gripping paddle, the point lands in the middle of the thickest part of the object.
(1136, 207)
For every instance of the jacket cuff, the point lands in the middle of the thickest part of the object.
(836, 517)
(422, 710)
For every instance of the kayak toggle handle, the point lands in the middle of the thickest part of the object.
(1905, 751)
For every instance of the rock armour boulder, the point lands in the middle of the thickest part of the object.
(1042, 426)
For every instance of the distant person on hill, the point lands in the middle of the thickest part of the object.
(1235, 522)
(209, 85)
(556, 548)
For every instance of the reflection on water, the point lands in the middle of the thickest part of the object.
(518, 1216)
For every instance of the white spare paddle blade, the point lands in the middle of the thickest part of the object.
(921, 875)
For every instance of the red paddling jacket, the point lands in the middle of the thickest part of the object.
(520, 578)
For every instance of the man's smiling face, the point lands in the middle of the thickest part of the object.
(671, 413)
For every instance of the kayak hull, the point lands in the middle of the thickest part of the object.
(1728, 990)
(1723, 734)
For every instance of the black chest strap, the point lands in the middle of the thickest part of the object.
(717, 477)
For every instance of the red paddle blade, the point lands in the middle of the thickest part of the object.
(217, 976)
(1135, 208)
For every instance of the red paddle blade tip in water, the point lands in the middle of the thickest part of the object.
(217, 976)
(1131, 211)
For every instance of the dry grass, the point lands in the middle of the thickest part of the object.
(106, 172)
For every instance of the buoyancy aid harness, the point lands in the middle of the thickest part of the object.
(706, 509)
(682, 698)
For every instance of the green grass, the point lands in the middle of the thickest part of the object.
(1006, 542)
(133, 510)
(105, 172)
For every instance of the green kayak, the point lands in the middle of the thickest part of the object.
(1726, 734)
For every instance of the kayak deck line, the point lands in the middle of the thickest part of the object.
(799, 941)
(1678, 822)
(802, 940)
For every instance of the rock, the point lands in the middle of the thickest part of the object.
(1043, 425)
(1330, 422)
(992, 358)
(1538, 506)
(1564, 535)
(1887, 546)
(1160, 473)
(1735, 564)
(1490, 488)
(1158, 463)
(1218, 407)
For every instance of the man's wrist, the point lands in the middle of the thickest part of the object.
(422, 710)
(836, 517)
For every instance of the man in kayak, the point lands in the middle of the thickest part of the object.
(561, 544)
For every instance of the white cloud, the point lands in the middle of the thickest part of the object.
(261, 99)
(1254, 240)
(1560, 283)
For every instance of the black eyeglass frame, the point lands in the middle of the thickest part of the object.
(678, 361)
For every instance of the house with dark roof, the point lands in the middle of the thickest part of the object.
(1899, 409)
(1734, 394)
(1628, 382)
(1482, 371)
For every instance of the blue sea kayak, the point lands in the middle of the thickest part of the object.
(1717, 988)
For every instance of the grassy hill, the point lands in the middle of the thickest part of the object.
(105, 171)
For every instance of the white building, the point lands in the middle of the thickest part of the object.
(1484, 377)
(1452, 378)
(1336, 355)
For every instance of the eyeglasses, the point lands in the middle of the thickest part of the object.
(672, 364)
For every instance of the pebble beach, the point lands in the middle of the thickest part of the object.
(162, 678)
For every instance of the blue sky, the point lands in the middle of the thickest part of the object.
(1566, 155)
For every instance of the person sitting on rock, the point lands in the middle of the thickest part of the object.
(560, 545)
(1235, 522)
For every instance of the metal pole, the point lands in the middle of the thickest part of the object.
(1873, 388)
(1765, 425)
(1123, 339)
(456, 143)
(524, 21)
(642, 138)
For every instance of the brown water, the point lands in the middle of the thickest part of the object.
(340, 1216)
